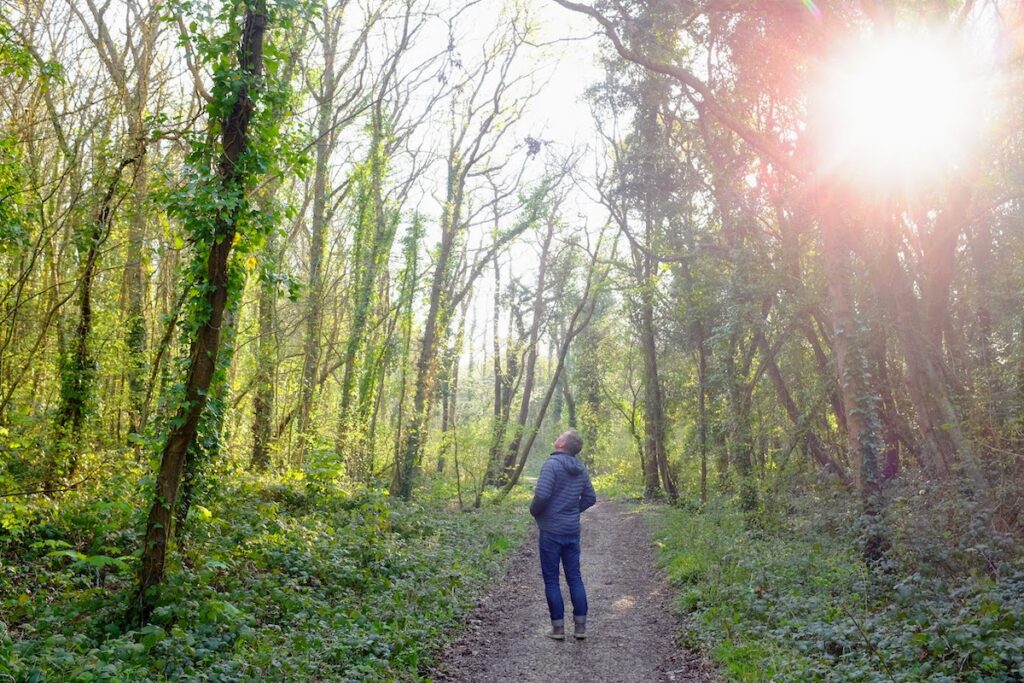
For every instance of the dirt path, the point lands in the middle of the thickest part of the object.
(630, 628)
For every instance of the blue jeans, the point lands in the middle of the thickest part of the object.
(564, 549)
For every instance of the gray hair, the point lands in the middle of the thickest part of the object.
(572, 441)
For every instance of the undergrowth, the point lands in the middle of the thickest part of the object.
(785, 597)
(294, 583)
(614, 485)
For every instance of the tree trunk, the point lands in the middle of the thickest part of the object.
(497, 430)
(938, 263)
(741, 441)
(266, 357)
(446, 393)
(318, 236)
(135, 322)
(992, 414)
(812, 443)
(263, 397)
(588, 302)
(559, 398)
(943, 440)
(825, 368)
(570, 400)
(450, 391)
(654, 420)
(653, 412)
(410, 280)
(702, 411)
(511, 377)
(78, 371)
(205, 345)
(374, 238)
(435, 327)
(533, 351)
(210, 432)
(853, 375)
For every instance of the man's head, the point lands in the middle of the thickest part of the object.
(569, 442)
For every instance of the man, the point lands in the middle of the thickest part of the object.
(563, 491)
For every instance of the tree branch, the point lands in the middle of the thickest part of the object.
(768, 149)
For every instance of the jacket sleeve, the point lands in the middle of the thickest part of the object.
(588, 497)
(543, 491)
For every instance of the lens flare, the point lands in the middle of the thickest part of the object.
(812, 8)
(901, 109)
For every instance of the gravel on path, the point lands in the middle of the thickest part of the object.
(631, 629)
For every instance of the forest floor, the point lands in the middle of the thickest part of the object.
(631, 629)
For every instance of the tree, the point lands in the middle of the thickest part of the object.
(330, 114)
(581, 316)
(532, 349)
(478, 125)
(216, 226)
(789, 161)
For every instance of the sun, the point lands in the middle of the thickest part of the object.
(901, 109)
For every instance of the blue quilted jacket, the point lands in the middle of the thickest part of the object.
(563, 491)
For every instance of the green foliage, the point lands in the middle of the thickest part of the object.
(204, 201)
(297, 583)
(789, 599)
(376, 224)
(622, 482)
(15, 61)
(13, 230)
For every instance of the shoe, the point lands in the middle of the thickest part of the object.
(580, 630)
(557, 632)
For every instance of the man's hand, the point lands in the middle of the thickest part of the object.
(588, 497)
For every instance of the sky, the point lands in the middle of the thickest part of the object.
(562, 63)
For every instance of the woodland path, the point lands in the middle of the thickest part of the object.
(631, 630)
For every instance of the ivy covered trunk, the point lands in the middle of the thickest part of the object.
(434, 329)
(231, 179)
(813, 445)
(374, 237)
(318, 228)
(581, 316)
(135, 337)
(944, 445)
(505, 382)
(497, 424)
(853, 374)
(654, 428)
(263, 394)
(78, 363)
(741, 440)
(135, 268)
(206, 447)
(450, 390)
(702, 408)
